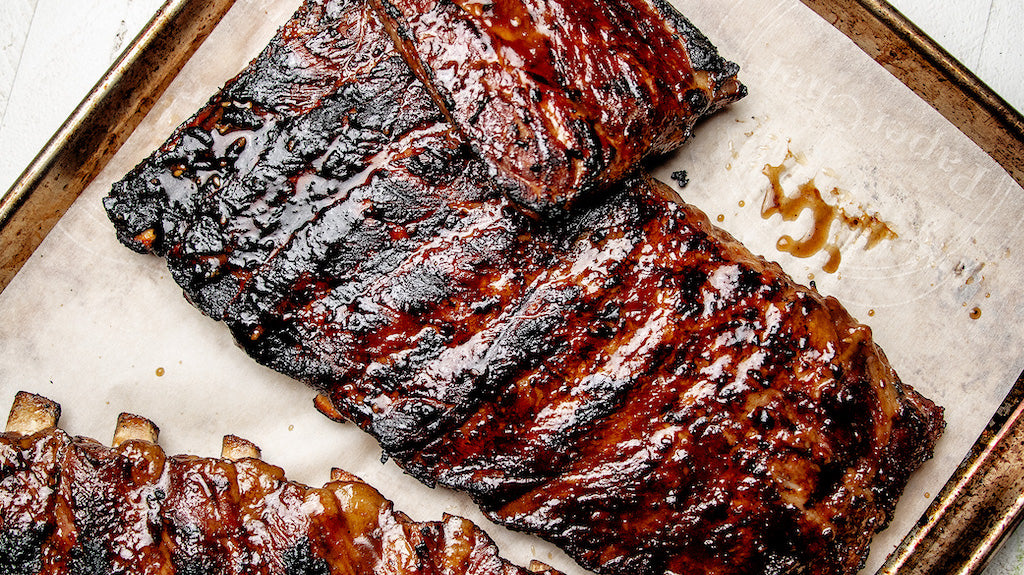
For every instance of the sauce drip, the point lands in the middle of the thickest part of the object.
(817, 239)
(976, 313)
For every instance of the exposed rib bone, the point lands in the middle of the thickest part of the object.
(32, 413)
(131, 427)
(72, 505)
(342, 475)
(323, 405)
(235, 448)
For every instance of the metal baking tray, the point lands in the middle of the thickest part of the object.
(968, 520)
(99, 126)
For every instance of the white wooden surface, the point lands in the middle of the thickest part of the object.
(53, 51)
(985, 35)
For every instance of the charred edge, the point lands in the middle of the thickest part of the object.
(89, 557)
(21, 550)
(402, 38)
(703, 54)
(236, 448)
(299, 559)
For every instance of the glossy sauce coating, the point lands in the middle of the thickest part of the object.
(560, 97)
(72, 505)
(751, 420)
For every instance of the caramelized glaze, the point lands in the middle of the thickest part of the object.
(73, 505)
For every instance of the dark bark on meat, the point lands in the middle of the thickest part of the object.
(71, 505)
(626, 381)
(561, 97)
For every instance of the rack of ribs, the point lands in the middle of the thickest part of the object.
(73, 505)
(561, 97)
(625, 379)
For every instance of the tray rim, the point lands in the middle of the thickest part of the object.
(978, 507)
(99, 125)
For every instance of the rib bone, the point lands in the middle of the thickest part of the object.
(32, 413)
(538, 567)
(235, 448)
(133, 427)
(342, 475)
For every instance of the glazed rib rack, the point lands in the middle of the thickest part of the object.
(73, 505)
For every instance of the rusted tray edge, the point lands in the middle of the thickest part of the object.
(982, 503)
(978, 507)
(930, 71)
(99, 126)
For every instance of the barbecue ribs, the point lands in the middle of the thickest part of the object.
(74, 505)
(625, 380)
(560, 97)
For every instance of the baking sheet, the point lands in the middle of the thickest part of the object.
(103, 330)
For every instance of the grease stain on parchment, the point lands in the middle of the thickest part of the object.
(822, 236)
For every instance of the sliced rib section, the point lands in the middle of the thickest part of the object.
(560, 97)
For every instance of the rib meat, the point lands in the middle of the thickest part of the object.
(626, 380)
(560, 97)
(685, 407)
(73, 505)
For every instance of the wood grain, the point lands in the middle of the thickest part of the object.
(16, 16)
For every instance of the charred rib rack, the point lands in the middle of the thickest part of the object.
(561, 97)
(660, 400)
(626, 380)
(73, 505)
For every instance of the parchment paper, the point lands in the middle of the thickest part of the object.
(103, 330)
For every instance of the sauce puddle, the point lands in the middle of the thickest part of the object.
(817, 239)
